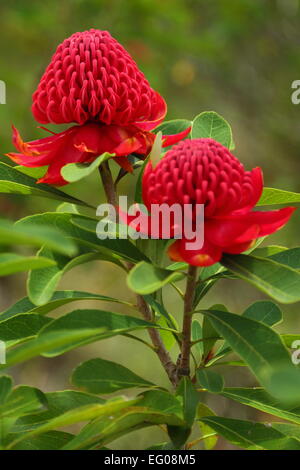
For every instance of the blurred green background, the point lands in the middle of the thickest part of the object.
(235, 57)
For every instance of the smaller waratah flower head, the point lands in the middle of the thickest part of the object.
(202, 171)
(93, 82)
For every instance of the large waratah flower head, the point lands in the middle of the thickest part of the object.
(91, 77)
(93, 82)
(202, 171)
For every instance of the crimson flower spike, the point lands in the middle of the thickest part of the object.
(202, 171)
(92, 81)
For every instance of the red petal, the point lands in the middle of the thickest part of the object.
(206, 256)
(158, 118)
(236, 229)
(174, 138)
(124, 163)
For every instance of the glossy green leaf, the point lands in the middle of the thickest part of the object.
(290, 257)
(155, 407)
(262, 350)
(173, 127)
(249, 435)
(6, 384)
(189, 397)
(16, 182)
(210, 437)
(73, 172)
(21, 401)
(11, 263)
(196, 336)
(43, 282)
(34, 235)
(52, 440)
(57, 404)
(272, 196)
(58, 299)
(210, 380)
(77, 415)
(47, 342)
(210, 124)
(109, 323)
(102, 376)
(264, 311)
(71, 225)
(22, 326)
(146, 278)
(277, 280)
(259, 399)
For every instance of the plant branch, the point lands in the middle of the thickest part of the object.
(157, 342)
(145, 310)
(108, 183)
(184, 361)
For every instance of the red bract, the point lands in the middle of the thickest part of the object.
(92, 81)
(202, 171)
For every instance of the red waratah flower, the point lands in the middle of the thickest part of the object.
(93, 82)
(202, 171)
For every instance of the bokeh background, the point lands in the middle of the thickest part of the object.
(238, 58)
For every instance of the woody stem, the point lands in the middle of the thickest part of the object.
(184, 362)
(145, 310)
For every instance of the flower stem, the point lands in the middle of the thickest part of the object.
(145, 310)
(108, 183)
(184, 361)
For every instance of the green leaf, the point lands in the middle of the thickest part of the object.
(138, 187)
(272, 196)
(156, 151)
(35, 172)
(259, 399)
(16, 182)
(21, 401)
(189, 398)
(71, 224)
(155, 407)
(210, 380)
(262, 349)
(77, 415)
(43, 282)
(47, 342)
(52, 440)
(160, 309)
(290, 257)
(196, 336)
(76, 171)
(22, 326)
(57, 404)
(34, 235)
(102, 376)
(264, 311)
(210, 124)
(290, 430)
(58, 299)
(210, 337)
(252, 436)
(173, 127)
(11, 263)
(6, 384)
(109, 323)
(210, 437)
(266, 251)
(146, 278)
(277, 280)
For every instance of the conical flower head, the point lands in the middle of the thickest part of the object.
(202, 171)
(91, 77)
